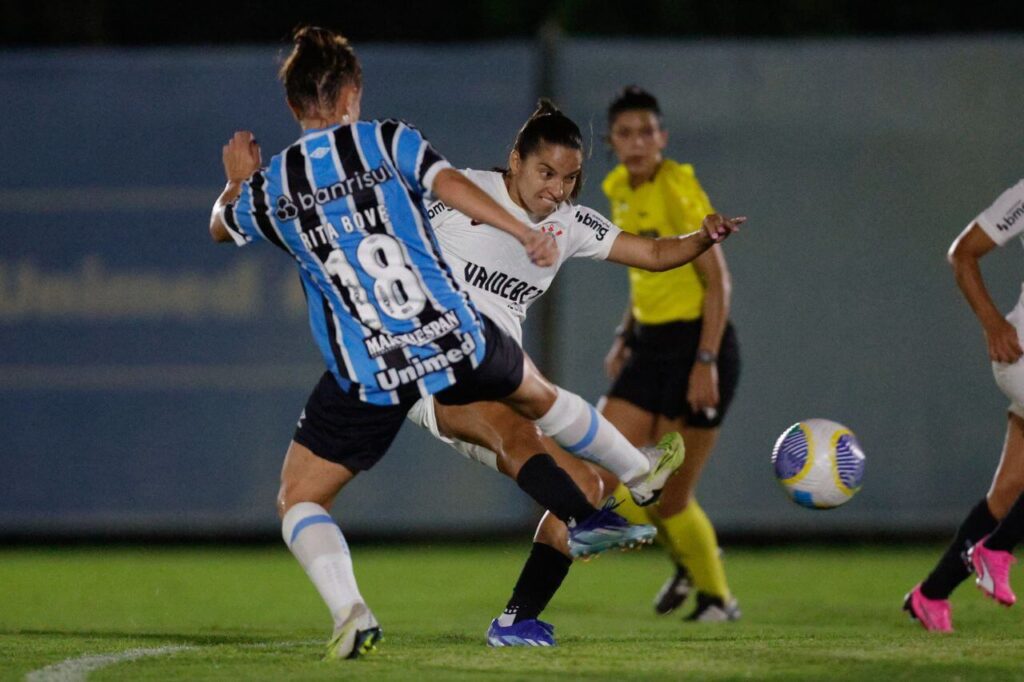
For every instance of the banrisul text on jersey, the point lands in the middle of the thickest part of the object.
(347, 203)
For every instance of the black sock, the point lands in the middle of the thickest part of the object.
(541, 577)
(1010, 530)
(542, 479)
(951, 569)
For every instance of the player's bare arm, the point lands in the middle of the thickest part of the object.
(241, 157)
(619, 353)
(964, 253)
(702, 388)
(665, 253)
(454, 189)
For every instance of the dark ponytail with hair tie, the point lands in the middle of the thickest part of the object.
(548, 125)
(320, 64)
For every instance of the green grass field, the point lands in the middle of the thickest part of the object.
(248, 614)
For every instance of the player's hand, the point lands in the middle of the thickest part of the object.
(540, 247)
(718, 227)
(241, 156)
(616, 358)
(1003, 342)
(702, 394)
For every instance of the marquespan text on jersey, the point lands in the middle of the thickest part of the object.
(500, 283)
(380, 344)
(392, 378)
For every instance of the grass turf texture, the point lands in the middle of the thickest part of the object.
(809, 613)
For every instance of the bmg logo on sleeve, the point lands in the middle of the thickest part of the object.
(599, 226)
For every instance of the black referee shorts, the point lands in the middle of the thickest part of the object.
(657, 374)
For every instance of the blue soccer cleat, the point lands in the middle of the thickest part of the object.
(604, 530)
(530, 632)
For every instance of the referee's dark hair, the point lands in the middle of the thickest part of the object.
(550, 126)
(631, 98)
(320, 64)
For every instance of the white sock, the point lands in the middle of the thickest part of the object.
(575, 425)
(316, 541)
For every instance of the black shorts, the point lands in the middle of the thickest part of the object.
(345, 430)
(497, 376)
(341, 428)
(657, 374)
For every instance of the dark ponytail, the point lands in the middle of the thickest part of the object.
(320, 64)
(632, 98)
(549, 125)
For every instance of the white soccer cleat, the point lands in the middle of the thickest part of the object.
(665, 458)
(357, 635)
(711, 609)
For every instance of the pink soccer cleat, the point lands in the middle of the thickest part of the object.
(935, 615)
(992, 566)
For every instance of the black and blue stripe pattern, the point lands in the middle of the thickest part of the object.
(318, 200)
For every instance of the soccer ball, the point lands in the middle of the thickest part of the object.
(819, 463)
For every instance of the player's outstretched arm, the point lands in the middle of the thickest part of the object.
(241, 157)
(666, 253)
(964, 254)
(459, 192)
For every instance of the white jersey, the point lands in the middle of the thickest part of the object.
(1004, 219)
(493, 266)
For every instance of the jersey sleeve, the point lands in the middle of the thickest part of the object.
(1004, 219)
(592, 234)
(440, 212)
(415, 158)
(248, 217)
(687, 202)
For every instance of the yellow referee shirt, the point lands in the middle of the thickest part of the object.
(671, 204)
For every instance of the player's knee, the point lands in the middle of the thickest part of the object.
(518, 444)
(284, 500)
(292, 492)
(534, 397)
(1004, 494)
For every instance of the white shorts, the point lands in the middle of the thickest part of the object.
(423, 415)
(1010, 377)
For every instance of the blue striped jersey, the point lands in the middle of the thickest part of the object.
(347, 203)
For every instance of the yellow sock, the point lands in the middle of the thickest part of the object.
(691, 540)
(627, 508)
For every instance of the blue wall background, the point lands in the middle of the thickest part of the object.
(149, 380)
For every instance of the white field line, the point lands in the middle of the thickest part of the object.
(76, 669)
